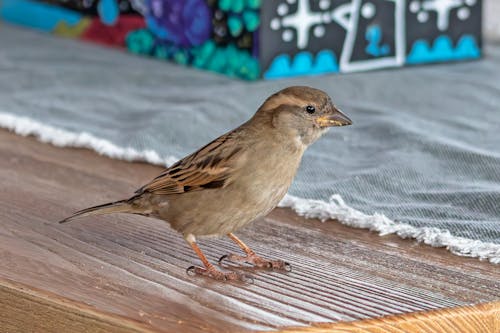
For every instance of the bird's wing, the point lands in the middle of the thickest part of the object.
(208, 168)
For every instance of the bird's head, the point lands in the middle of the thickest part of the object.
(301, 112)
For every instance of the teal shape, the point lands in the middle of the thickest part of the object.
(229, 60)
(251, 19)
(161, 52)
(108, 11)
(235, 25)
(217, 61)
(36, 14)
(203, 53)
(140, 41)
(237, 6)
(253, 4)
(233, 56)
(249, 68)
(225, 4)
(443, 50)
(181, 56)
(304, 63)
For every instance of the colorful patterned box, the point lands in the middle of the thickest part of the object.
(272, 38)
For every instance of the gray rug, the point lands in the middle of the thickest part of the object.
(424, 149)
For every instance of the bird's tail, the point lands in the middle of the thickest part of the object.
(122, 206)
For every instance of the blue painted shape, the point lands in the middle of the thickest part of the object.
(374, 37)
(467, 48)
(302, 64)
(155, 28)
(108, 11)
(36, 15)
(443, 50)
(420, 53)
(326, 62)
(280, 67)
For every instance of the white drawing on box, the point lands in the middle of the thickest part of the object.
(347, 16)
(302, 21)
(443, 10)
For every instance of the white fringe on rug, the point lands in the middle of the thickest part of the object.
(337, 209)
(62, 138)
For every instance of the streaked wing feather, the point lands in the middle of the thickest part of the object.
(208, 168)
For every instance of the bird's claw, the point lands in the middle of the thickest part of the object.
(215, 274)
(221, 259)
(287, 267)
(257, 261)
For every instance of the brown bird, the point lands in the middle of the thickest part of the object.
(236, 178)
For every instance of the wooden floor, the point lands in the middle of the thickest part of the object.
(127, 274)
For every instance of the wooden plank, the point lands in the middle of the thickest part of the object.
(134, 267)
(467, 319)
(24, 309)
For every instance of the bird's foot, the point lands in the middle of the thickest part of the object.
(257, 261)
(216, 274)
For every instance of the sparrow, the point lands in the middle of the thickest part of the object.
(235, 179)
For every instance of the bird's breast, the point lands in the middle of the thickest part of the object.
(267, 179)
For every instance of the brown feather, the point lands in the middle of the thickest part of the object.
(208, 168)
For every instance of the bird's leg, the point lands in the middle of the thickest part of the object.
(252, 258)
(209, 269)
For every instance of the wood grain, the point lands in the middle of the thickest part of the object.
(467, 319)
(133, 267)
(25, 309)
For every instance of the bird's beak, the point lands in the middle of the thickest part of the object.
(335, 119)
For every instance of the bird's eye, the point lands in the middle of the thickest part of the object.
(310, 109)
